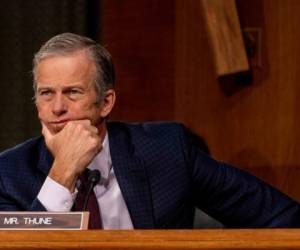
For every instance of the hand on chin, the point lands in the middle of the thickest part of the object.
(56, 128)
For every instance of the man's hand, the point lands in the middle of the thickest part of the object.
(73, 148)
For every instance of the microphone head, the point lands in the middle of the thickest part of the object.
(94, 176)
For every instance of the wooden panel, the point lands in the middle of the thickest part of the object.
(150, 239)
(140, 36)
(225, 34)
(256, 128)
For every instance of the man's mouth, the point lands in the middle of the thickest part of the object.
(57, 126)
(59, 122)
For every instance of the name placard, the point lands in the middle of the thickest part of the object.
(44, 220)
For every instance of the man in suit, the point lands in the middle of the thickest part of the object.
(152, 174)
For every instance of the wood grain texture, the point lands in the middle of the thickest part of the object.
(257, 127)
(151, 239)
(223, 27)
(140, 36)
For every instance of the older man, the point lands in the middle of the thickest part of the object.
(152, 175)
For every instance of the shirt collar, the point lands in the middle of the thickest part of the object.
(102, 160)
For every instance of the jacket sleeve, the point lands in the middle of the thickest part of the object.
(9, 203)
(235, 197)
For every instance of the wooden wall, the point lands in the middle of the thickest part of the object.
(140, 36)
(166, 71)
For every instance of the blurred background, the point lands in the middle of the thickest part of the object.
(164, 57)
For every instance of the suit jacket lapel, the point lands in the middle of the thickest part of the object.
(132, 178)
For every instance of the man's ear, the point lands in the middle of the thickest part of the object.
(108, 103)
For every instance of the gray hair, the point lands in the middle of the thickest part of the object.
(68, 43)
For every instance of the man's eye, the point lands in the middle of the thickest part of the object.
(45, 92)
(74, 91)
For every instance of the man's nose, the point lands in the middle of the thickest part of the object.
(59, 105)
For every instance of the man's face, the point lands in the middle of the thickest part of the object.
(65, 91)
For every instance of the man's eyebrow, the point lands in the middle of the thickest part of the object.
(50, 86)
(43, 87)
(73, 86)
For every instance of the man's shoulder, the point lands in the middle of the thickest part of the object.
(153, 135)
(146, 127)
(22, 150)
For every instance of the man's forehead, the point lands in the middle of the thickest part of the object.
(65, 70)
(64, 85)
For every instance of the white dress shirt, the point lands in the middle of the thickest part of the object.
(113, 210)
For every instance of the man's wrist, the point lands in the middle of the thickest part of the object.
(63, 176)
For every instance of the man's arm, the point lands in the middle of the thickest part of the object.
(235, 197)
(73, 148)
(8, 203)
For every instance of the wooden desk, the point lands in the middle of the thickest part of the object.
(171, 239)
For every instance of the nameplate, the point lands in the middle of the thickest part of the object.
(44, 221)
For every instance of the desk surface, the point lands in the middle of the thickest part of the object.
(153, 239)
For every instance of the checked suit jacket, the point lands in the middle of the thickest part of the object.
(162, 177)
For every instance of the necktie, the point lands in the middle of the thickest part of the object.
(92, 205)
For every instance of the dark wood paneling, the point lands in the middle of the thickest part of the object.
(140, 36)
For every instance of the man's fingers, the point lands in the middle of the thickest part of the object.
(94, 130)
(83, 122)
(86, 124)
(46, 133)
(71, 128)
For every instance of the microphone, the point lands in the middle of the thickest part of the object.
(94, 177)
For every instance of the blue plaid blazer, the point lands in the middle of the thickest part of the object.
(162, 176)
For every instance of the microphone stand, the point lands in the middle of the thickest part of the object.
(94, 177)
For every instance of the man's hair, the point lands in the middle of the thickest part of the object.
(68, 43)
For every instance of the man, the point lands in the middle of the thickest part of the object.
(152, 175)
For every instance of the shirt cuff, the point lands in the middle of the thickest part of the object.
(55, 197)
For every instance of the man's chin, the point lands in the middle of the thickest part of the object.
(56, 128)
